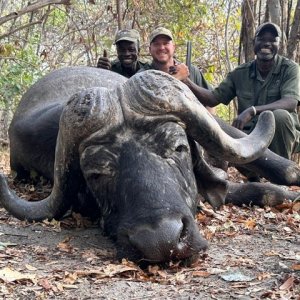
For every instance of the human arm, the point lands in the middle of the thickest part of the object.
(288, 96)
(287, 103)
(103, 62)
(205, 96)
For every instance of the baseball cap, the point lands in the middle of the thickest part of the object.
(160, 31)
(268, 26)
(130, 35)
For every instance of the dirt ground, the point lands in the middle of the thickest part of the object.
(254, 253)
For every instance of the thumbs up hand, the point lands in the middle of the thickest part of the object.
(103, 62)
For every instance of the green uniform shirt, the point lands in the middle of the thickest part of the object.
(195, 75)
(246, 84)
(117, 67)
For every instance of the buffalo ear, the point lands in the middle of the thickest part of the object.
(211, 187)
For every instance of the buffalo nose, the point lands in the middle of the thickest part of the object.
(169, 239)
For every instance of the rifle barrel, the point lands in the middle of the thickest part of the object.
(188, 54)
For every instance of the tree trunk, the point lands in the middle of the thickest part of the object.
(119, 14)
(229, 66)
(284, 25)
(294, 39)
(274, 11)
(247, 31)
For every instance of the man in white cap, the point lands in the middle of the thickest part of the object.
(270, 82)
(127, 43)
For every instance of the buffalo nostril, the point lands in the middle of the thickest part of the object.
(190, 240)
(185, 228)
(168, 239)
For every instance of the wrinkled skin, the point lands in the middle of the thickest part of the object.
(132, 152)
(129, 167)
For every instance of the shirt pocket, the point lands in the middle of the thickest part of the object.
(245, 100)
(273, 95)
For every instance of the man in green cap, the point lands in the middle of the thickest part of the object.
(270, 82)
(127, 43)
(162, 49)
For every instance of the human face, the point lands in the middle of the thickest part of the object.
(266, 46)
(162, 49)
(127, 53)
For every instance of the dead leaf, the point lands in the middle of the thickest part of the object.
(179, 278)
(59, 286)
(5, 245)
(284, 205)
(30, 268)
(65, 245)
(153, 269)
(69, 286)
(287, 284)
(70, 278)
(272, 253)
(262, 276)
(295, 267)
(270, 215)
(162, 274)
(200, 274)
(10, 275)
(250, 224)
(44, 282)
(110, 270)
(296, 206)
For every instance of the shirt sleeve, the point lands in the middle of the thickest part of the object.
(291, 83)
(197, 77)
(226, 91)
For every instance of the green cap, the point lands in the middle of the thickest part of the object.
(268, 26)
(160, 31)
(130, 35)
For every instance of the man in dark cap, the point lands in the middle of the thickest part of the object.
(127, 43)
(270, 82)
(162, 50)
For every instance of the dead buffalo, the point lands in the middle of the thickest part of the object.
(132, 148)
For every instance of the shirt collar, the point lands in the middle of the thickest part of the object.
(275, 69)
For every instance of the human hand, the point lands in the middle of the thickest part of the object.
(243, 118)
(103, 62)
(180, 71)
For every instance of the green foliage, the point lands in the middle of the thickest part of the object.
(78, 33)
(18, 72)
(58, 18)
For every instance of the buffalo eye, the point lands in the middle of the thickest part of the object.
(181, 148)
(94, 176)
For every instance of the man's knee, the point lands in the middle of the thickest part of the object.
(282, 115)
(283, 120)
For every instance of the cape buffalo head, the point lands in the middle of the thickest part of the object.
(133, 148)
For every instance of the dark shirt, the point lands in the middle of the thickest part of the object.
(117, 67)
(245, 83)
(195, 75)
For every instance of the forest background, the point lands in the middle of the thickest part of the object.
(38, 37)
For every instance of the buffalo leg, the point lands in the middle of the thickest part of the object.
(260, 194)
